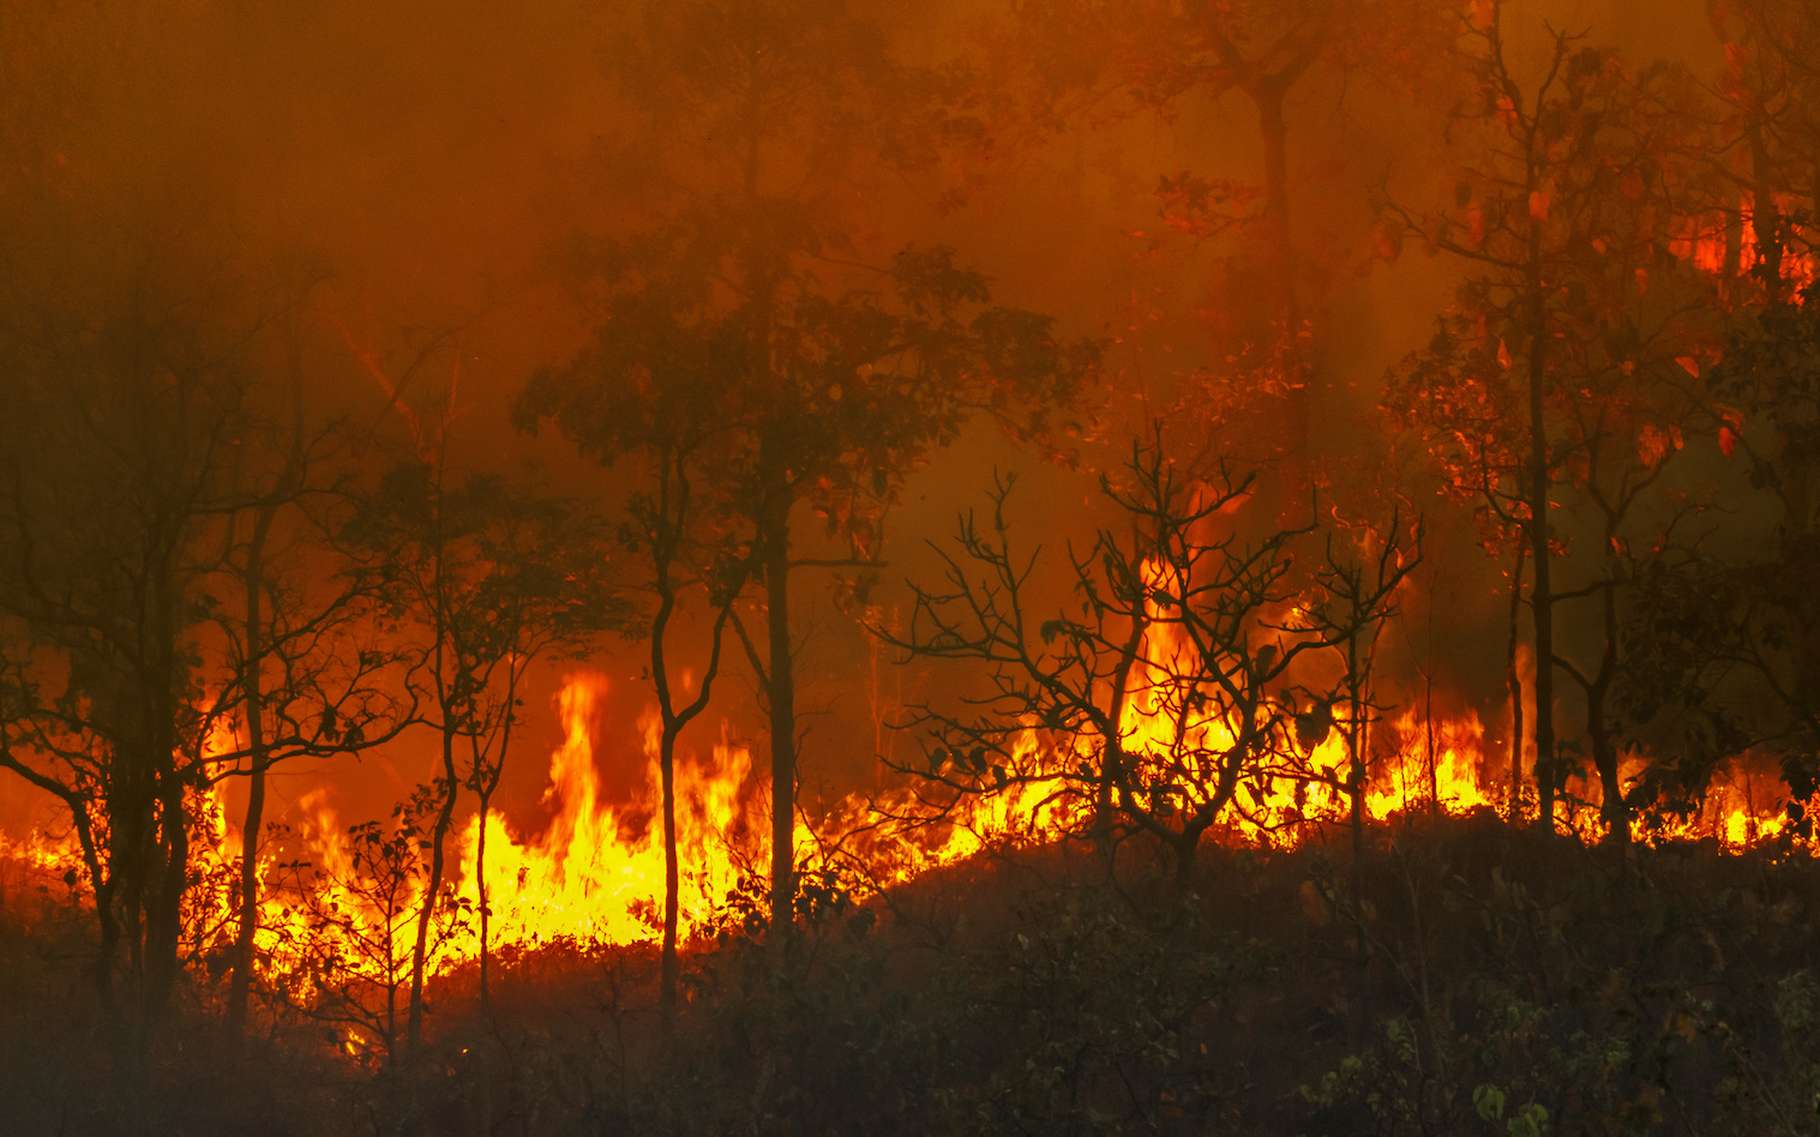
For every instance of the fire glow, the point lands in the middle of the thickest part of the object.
(594, 875)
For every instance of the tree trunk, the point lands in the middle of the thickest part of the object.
(168, 864)
(445, 815)
(780, 693)
(480, 893)
(1186, 847)
(1541, 601)
(253, 582)
(1766, 218)
(1356, 775)
(666, 761)
(1274, 128)
(164, 921)
(1280, 265)
(1514, 681)
(107, 943)
(1428, 719)
(1613, 808)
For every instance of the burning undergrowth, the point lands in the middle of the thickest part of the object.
(339, 903)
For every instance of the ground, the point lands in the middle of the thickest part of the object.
(1485, 980)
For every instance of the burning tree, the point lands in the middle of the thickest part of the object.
(1166, 697)
(1769, 93)
(483, 576)
(352, 952)
(1352, 597)
(680, 522)
(831, 376)
(1555, 380)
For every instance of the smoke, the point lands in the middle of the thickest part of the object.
(424, 161)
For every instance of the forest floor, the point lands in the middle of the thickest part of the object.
(1467, 978)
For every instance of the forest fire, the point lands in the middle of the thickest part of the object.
(594, 874)
(824, 566)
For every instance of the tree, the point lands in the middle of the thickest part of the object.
(303, 672)
(304, 675)
(355, 950)
(1769, 91)
(1572, 325)
(120, 446)
(545, 592)
(669, 532)
(1352, 597)
(1076, 61)
(653, 394)
(1724, 631)
(1169, 693)
(486, 575)
(834, 376)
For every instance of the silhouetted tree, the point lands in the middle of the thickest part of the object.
(120, 444)
(1352, 597)
(1166, 696)
(835, 371)
(1551, 378)
(355, 952)
(483, 576)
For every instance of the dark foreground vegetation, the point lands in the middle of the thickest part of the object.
(1492, 981)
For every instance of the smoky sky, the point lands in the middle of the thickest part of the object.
(426, 160)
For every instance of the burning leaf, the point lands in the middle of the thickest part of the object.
(1654, 445)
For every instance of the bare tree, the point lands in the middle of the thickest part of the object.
(1352, 598)
(1155, 705)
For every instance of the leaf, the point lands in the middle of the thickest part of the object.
(1488, 1102)
(1313, 725)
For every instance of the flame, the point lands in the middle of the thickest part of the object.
(1702, 240)
(594, 873)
